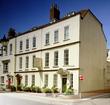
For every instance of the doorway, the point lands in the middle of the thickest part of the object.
(64, 84)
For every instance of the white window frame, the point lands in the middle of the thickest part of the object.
(56, 33)
(20, 62)
(56, 58)
(34, 42)
(46, 59)
(11, 48)
(66, 32)
(55, 80)
(47, 38)
(27, 43)
(66, 57)
(27, 61)
(21, 45)
(46, 80)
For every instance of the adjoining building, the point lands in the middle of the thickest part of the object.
(68, 51)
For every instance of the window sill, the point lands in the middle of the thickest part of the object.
(55, 66)
(34, 48)
(27, 50)
(66, 65)
(47, 44)
(66, 39)
(34, 69)
(46, 67)
(20, 70)
(55, 42)
(20, 51)
(26, 69)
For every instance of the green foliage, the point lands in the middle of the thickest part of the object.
(69, 91)
(47, 90)
(13, 88)
(27, 89)
(19, 87)
(55, 89)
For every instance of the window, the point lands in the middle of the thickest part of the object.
(21, 45)
(26, 80)
(2, 79)
(34, 41)
(66, 57)
(27, 62)
(33, 79)
(5, 67)
(66, 33)
(20, 62)
(10, 49)
(46, 80)
(55, 36)
(56, 58)
(47, 39)
(27, 43)
(55, 80)
(33, 62)
(5, 48)
(46, 59)
(71, 80)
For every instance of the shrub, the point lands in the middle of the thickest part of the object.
(55, 89)
(47, 90)
(38, 90)
(19, 87)
(13, 88)
(27, 89)
(69, 91)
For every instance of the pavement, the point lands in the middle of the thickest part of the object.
(41, 98)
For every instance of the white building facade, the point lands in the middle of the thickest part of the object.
(58, 53)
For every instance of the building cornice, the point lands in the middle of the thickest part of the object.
(48, 48)
(45, 70)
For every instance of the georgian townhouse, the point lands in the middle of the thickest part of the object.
(68, 51)
(7, 59)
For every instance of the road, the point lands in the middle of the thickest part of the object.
(17, 99)
(7, 100)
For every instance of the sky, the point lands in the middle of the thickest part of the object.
(25, 14)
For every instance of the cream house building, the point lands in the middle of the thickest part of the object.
(68, 51)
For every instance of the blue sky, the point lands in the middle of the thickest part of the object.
(25, 14)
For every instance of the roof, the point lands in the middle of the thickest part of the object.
(82, 14)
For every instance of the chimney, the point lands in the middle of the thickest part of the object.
(54, 12)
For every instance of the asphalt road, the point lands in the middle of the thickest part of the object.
(17, 99)
(7, 100)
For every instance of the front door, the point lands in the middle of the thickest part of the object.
(64, 84)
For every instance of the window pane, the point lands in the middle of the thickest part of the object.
(27, 62)
(20, 62)
(46, 80)
(56, 58)
(47, 39)
(47, 59)
(66, 32)
(10, 48)
(71, 80)
(27, 43)
(55, 80)
(33, 79)
(26, 80)
(21, 44)
(34, 41)
(34, 63)
(56, 36)
(66, 57)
